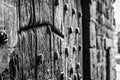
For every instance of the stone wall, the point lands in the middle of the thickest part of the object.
(98, 31)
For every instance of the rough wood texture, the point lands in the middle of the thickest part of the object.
(56, 39)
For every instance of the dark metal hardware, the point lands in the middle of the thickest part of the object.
(56, 2)
(66, 52)
(55, 56)
(3, 37)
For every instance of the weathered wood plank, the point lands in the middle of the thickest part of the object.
(26, 13)
(27, 55)
(43, 54)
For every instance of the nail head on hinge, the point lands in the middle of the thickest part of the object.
(73, 11)
(79, 48)
(74, 49)
(79, 14)
(39, 59)
(76, 30)
(3, 37)
(71, 71)
(77, 65)
(56, 2)
(55, 56)
(70, 30)
(75, 76)
(66, 52)
(62, 76)
(65, 7)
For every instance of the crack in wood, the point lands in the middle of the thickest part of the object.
(52, 27)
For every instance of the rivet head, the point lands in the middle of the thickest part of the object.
(77, 65)
(66, 52)
(56, 2)
(79, 48)
(39, 59)
(55, 56)
(79, 14)
(70, 30)
(75, 77)
(71, 71)
(76, 30)
(65, 7)
(74, 49)
(62, 76)
(3, 37)
(73, 11)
